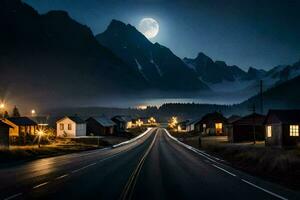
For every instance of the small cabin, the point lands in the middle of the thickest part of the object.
(23, 129)
(247, 128)
(70, 127)
(182, 126)
(282, 128)
(4, 135)
(212, 124)
(98, 126)
(190, 126)
(122, 122)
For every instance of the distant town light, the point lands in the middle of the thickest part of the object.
(139, 122)
(142, 107)
(152, 120)
(33, 112)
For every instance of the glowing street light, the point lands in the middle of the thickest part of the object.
(173, 122)
(2, 106)
(33, 112)
(40, 133)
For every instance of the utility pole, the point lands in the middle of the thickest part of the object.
(253, 121)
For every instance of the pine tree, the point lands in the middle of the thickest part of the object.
(16, 112)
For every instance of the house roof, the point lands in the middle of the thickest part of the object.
(215, 116)
(251, 119)
(194, 121)
(103, 121)
(285, 116)
(40, 119)
(22, 121)
(2, 124)
(122, 118)
(233, 118)
(75, 119)
(185, 122)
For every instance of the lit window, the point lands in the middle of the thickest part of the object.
(269, 131)
(61, 126)
(204, 125)
(294, 130)
(219, 127)
(69, 126)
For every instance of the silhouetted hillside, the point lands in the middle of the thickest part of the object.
(52, 57)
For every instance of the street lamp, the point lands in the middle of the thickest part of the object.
(33, 112)
(40, 134)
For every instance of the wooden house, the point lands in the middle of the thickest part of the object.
(70, 126)
(99, 126)
(212, 124)
(282, 128)
(23, 128)
(4, 134)
(182, 126)
(122, 122)
(190, 126)
(247, 128)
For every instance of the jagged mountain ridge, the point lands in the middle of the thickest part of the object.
(217, 71)
(156, 63)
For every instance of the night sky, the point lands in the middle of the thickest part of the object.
(246, 33)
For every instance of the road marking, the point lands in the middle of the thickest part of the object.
(203, 154)
(130, 185)
(62, 176)
(85, 154)
(224, 170)
(40, 185)
(82, 168)
(13, 196)
(189, 147)
(211, 156)
(134, 139)
(265, 190)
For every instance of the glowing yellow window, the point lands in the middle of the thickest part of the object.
(219, 127)
(294, 130)
(269, 131)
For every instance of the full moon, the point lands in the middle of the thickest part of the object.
(149, 27)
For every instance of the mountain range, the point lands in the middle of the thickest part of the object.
(156, 63)
(51, 58)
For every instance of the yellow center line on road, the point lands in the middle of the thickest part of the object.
(130, 185)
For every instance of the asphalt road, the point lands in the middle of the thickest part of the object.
(153, 167)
